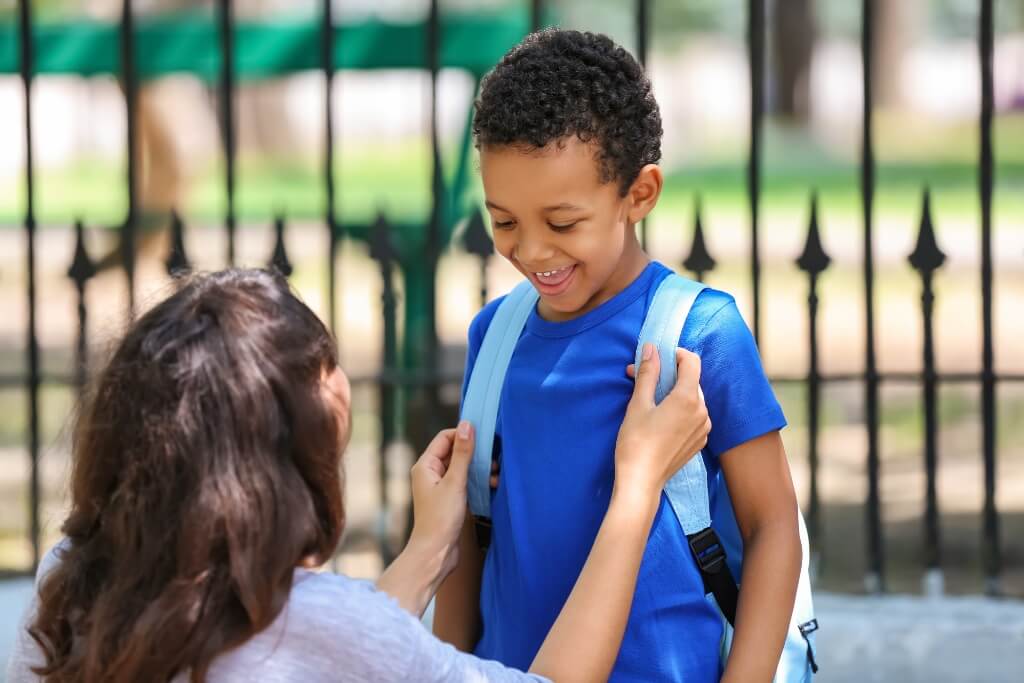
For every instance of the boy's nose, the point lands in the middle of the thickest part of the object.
(533, 253)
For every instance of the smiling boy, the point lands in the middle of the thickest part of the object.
(569, 136)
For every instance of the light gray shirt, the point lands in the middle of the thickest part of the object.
(332, 628)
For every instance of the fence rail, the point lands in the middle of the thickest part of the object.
(411, 375)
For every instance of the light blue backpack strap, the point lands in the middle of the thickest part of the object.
(687, 490)
(483, 394)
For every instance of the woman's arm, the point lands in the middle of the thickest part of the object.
(414, 576)
(761, 489)
(439, 509)
(654, 443)
(584, 641)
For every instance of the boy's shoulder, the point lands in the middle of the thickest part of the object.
(714, 321)
(713, 309)
(482, 320)
(710, 302)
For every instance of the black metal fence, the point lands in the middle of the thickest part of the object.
(413, 386)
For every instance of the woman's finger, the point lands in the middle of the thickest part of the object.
(437, 454)
(441, 445)
(647, 377)
(631, 368)
(462, 454)
(687, 373)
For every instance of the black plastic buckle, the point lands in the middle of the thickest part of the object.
(807, 628)
(483, 531)
(707, 550)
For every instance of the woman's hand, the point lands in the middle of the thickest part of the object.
(439, 511)
(439, 493)
(656, 440)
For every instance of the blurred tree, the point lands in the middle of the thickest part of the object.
(794, 33)
(896, 25)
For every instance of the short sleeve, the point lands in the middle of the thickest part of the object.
(740, 400)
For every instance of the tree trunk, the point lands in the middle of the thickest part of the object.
(795, 32)
(896, 25)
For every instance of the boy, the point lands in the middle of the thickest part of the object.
(569, 136)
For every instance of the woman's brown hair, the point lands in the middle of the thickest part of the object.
(206, 468)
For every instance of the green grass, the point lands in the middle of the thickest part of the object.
(395, 178)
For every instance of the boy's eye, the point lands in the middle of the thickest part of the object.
(561, 227)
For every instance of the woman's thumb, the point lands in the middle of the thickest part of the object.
(647, 375)
(462, 453)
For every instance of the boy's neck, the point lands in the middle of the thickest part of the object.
(633, 262)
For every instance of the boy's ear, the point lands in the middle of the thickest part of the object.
(644, 192)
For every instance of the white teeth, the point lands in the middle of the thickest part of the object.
(551, 272)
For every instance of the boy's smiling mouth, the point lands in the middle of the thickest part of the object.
(553, 282)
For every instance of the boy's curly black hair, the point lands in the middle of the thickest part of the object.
(557, 83)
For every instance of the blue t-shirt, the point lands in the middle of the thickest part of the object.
(561, 408)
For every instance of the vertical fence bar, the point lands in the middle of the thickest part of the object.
(327, 64)
(642, 29)
(536, 14)
(813, 261)
(926, 259)
(699, 261)
(80, 272)
(227, 116)
(874, 578)
(437, 214)
(279, 257)
(756, 43)
(130, 83)
(177, 264)
(32, 342)
(382, 250)
(991, 550)
(479, 243)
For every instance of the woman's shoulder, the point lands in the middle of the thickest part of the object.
(52, 559)
(312, 589)
(338, 604)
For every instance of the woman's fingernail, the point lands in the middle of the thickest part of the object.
(648, 351)
(463, 430)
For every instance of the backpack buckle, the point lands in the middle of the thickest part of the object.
(707, 550)
(806, 629)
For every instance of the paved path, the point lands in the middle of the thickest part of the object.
(911, 639)
(862, 640)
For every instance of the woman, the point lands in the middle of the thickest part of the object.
(206, 484)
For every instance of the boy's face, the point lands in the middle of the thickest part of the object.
(560, 226)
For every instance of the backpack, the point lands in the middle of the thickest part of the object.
(713, 534)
